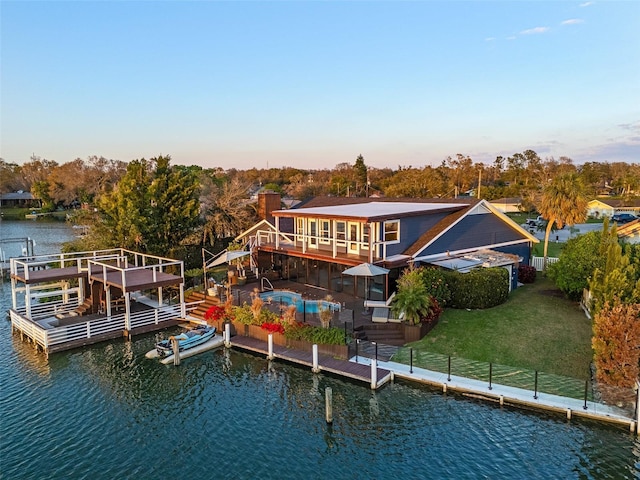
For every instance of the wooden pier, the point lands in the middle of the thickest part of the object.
(326, 363)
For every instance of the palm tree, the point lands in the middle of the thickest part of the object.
(563, 203)
(412, 298)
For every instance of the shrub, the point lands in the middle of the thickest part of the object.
(435, 280)
(272, 327)
(479, 288)
(313, 334)
(526, 274)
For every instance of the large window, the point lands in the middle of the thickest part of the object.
(325, 231)
(392, 231)
(341, 232)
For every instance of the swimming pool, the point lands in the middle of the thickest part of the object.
(292, 298)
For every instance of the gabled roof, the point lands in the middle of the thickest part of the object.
(450, 220)
(618, 202)
(628, 229)
(261, 225)
(17, 196)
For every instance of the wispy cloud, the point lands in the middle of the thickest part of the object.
(534, 31)
(587, 4)
(573, 21)
(489, 39)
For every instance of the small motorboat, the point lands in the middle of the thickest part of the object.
(186, 340)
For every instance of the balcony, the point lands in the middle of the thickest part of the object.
(348, 252)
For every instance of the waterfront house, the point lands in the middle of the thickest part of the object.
(315, 242)
(508, 204)
(19, 199)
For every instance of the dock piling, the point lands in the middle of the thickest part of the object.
(175, 344)
(227, 335)
(328, 400)
(270, 355)
(314, 351)
(374, 374)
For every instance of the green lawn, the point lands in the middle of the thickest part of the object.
(555, 248)
(536, 329)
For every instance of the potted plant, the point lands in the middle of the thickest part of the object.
(412, 302)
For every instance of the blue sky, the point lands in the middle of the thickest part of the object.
(314, 84)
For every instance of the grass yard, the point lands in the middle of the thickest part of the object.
(555, 248)
(536, 329)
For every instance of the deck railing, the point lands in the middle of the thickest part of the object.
(57, 335)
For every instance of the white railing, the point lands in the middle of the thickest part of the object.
(47, 337)
(538, 262)
(44, 310)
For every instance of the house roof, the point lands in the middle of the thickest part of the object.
(371, 211)
(510, 200)
(617, 202)
(17, 196)
(628, 229)
(483, 257)
(450, 220)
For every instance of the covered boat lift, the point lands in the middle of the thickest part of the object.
(67, 300)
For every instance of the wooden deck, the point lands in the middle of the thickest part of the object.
(326, 363)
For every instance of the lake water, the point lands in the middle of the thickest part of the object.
(107, 412)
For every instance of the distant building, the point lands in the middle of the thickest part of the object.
(606, 207)
(19, 199)
(508, 204)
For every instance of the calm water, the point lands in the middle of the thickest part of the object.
(107, 412)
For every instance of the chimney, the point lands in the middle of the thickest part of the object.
(268, 201)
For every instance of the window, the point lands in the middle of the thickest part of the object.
(313, 232)
(392, 231)
(325, 230)
(341, 232)
(300, 228)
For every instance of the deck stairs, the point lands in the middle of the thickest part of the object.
(387, 333)
(207, 302)
(85, 307)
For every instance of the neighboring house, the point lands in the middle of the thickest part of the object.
(314, 243)
(507, 205)
(19, 199)
(629, 232)
(604, 207)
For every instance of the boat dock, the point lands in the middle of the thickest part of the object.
(326, 363)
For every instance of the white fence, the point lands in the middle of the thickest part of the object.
(538, 262)
(56, 335)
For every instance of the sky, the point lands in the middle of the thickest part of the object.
(312, 84)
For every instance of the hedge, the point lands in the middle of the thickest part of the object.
(479, 288)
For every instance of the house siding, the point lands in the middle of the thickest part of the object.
(411, 229)
(474, 231)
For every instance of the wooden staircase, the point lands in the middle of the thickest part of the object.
(201, 309)
(84, 308)
(387, 333)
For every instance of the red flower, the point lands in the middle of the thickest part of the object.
(214, 313)
(272, 327)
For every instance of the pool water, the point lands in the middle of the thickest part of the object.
(302, 305)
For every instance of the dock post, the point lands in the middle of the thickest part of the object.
(374, 374)
(490, 375)
(410, 360)
(586, 391)
(227, 335)
(175, 344)
(328, 400)
(535, 387)
(568, 414)
(449, 370)
(315, 368)
(270, 346)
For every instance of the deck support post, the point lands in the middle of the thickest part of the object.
(374, 374)
(227, 335)
(270, 355)
(315, 368)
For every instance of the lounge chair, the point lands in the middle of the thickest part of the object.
(379, 303)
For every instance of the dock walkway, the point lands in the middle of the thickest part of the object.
(326, 363)
(510, 395)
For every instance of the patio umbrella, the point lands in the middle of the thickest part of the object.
(227, 257)
(365, 270)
